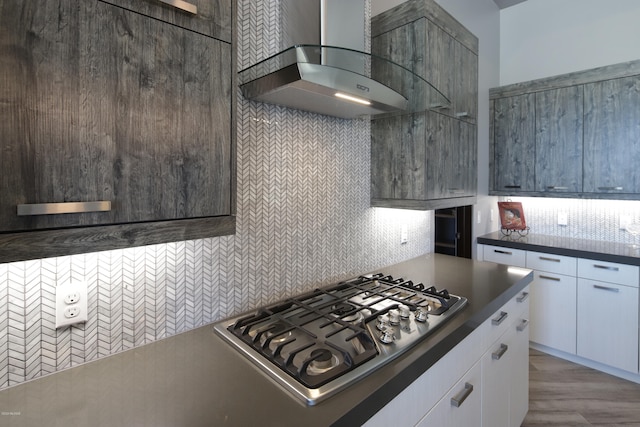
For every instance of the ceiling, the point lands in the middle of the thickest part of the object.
(502, 4)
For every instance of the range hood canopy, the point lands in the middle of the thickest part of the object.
(330, 80)
(322, 66)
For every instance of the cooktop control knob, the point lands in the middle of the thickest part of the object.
(382, 322)
(421, 314)
(387, 336)
(394, 317)
(404, 311)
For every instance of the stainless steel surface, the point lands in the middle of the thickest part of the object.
(459, 399)
(313, 315)
(194, 378)
(182, 5)
(497, 355)
(311, 82)
(501, 318)
(63, 208)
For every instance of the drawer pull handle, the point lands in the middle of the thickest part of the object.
(63, 208)
(606, 288)
(503, 315)
(458, 399)
(544, 258)
(462, 114)
(610, 188)
(502, 252)
(523, 297)
(497, 355)
(553, 187)
(182, 5)
(523, 325)
(555, 279)
(513, 186)
(605, 267)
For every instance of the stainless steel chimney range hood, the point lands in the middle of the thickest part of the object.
(334, 77)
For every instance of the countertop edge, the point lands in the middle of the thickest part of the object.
(387, 392)
(490, 239)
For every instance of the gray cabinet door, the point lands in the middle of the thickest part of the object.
(612, 136)
(100, 103)
(558, 152)
(451, 157)
(514, 143)
(465, 83)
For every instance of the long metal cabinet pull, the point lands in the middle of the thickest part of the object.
(523, 325)
(63, 208)
(497, 355)
(610, 188)
(545, 258)
(183, 5)
(556, 279)
(503, 315)
(554, 187)
(605, 267)
(502, 252)
(462, 396)
(523, 297)
(606, 288)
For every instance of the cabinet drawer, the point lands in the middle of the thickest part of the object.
(611, 272)
(552, 263)
(510, 314)
(508, 256)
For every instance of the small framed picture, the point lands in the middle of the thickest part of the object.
(512, 216)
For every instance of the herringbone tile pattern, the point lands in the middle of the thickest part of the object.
(303, 221)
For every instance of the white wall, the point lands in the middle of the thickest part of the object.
(482, 18)
(542, 38)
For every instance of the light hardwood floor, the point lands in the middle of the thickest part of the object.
(562, 393)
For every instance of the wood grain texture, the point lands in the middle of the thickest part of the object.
(52, 243)
(614, 71)
(562, 393)
(411, 10)
(514, 139)
(214, 17)
(147, 126)
(612, 136)
(558, 153)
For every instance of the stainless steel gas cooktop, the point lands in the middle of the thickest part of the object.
(318, 343)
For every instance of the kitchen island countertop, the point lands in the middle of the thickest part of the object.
(196, 379)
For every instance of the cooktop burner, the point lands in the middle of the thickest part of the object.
(317, 343)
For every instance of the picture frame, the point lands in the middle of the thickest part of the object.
(512, 216)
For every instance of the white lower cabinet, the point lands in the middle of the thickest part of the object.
(453, 393)
(582, 307)
(460, 406)
(505, 376)
(608, 324)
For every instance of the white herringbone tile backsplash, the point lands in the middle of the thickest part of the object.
(303, 221)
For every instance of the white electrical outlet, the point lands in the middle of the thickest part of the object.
(71, 303)
(563, 218)
(404, 234)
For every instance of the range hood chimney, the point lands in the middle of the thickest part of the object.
(322, 67)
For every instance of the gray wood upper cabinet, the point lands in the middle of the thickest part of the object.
(100, 103)
(586, 128)
(612, 136)
(427, 159)
(514, 141)
(558, 147)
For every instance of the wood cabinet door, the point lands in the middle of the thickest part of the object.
(514, 143)
(451, 157)
(106, 104)
(558, 152)
(612, 136)
(465, 83)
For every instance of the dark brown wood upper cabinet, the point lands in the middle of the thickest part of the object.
(100, 103)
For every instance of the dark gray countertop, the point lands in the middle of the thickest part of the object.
(623, 253)
(196, 379)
